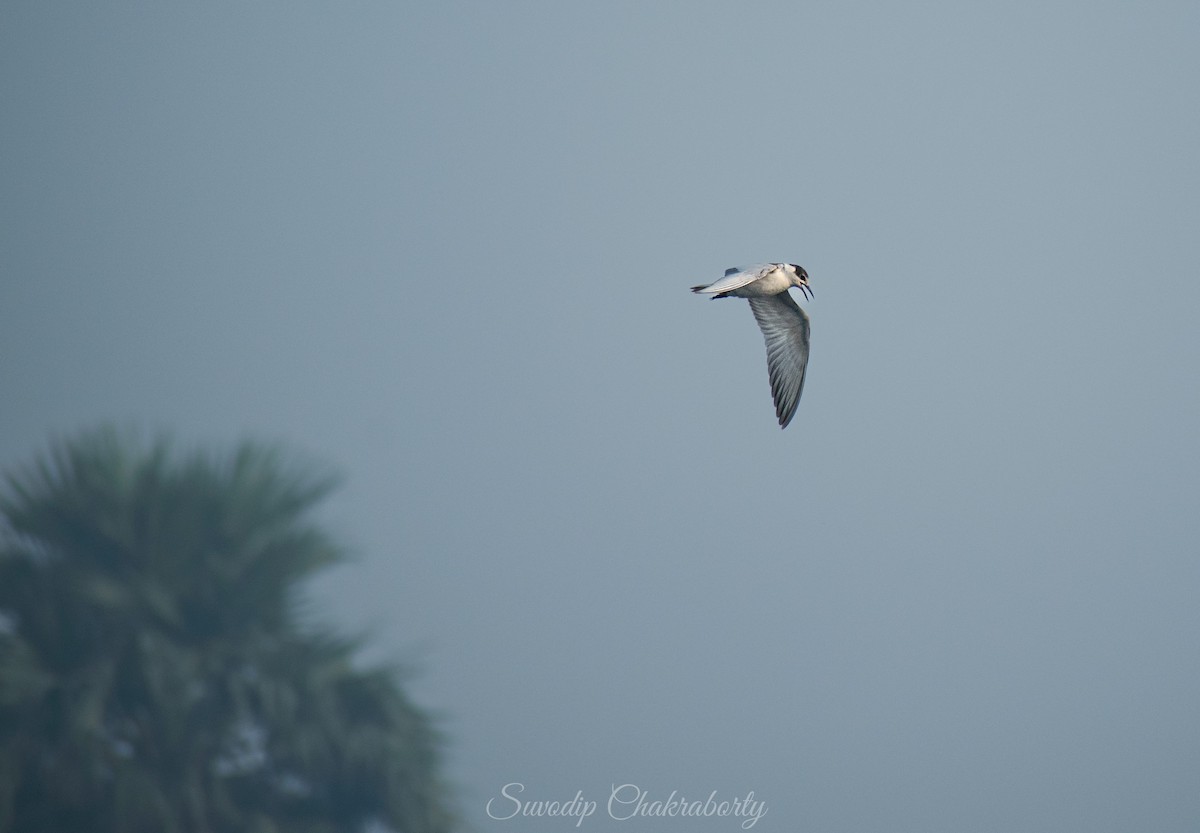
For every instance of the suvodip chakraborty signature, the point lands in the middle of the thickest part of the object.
(625, 802)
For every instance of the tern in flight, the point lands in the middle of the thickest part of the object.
(784, 325)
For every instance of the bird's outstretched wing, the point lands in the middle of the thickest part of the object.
(734, 279)
(785, 329)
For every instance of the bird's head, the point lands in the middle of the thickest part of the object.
(800, 279)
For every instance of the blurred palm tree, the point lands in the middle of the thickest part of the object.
(155, 673)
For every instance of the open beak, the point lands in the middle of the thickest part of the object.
(806, 292)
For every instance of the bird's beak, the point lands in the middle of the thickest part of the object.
(806, 291)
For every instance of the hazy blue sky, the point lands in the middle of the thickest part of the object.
(445, 248)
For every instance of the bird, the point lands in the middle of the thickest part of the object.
(784, 325)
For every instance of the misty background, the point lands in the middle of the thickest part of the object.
(446, 247)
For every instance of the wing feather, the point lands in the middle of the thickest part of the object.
(734, 279)
(785, 329)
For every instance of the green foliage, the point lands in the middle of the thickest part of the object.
(154, 673)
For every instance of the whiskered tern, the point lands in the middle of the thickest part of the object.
(784, 325)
